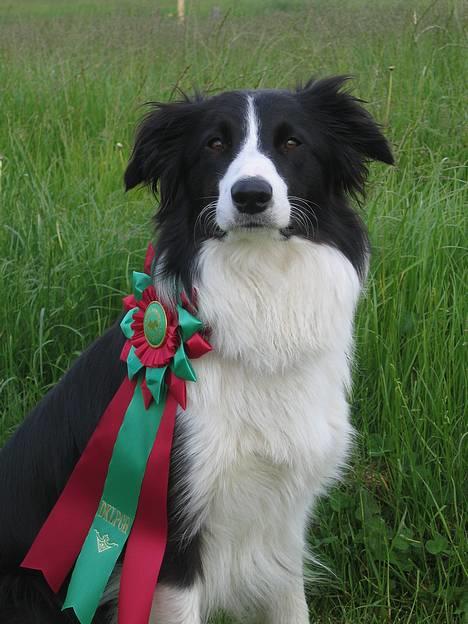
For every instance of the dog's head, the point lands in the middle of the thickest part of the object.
(247, 163)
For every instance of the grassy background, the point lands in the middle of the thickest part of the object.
(72, 77)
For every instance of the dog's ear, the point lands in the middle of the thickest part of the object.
(353, 135)
(159, 143)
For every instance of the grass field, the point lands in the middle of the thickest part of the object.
(72, 77)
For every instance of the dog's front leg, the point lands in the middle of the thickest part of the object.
(174, 605)
(288, 607)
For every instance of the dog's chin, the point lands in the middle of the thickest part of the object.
(253, 232)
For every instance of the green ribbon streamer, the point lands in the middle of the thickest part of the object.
(181, 365)
(133, 363)
(140, 281)
(126, 323)
(117, 508)
(154, 381)
(189, 324)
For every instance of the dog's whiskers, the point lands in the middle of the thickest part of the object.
(206, 220)
(305, 203)
(303, 218)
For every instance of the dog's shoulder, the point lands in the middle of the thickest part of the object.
(38, 459)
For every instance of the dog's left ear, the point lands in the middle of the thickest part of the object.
(158, 143)
(354, 136)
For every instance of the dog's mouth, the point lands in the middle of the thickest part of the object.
(284, 233)
(240, 225)
(253, 223)
(250, 225)
(255, 229)
(255, 232)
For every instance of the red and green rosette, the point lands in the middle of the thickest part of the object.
(117, 493)
(161, 341)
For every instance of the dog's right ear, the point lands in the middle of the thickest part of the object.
(159, 143)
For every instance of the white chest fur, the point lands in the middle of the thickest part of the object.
(267, 420)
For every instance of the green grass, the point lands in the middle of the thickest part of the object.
(72, 78)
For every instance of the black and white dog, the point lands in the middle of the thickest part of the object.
(254, 217)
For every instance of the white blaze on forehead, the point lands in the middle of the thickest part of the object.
(251, 137)
(251, 162)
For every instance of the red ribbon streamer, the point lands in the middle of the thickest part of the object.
(149, 259)
(147, 542)
(77, 504)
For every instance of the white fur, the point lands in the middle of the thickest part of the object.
(250, 162)
(267, 421)
(176, 606)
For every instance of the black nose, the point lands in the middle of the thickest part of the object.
(251, 195)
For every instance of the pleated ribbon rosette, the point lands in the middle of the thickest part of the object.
(117, 493)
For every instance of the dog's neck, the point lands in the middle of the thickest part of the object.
(271, 303)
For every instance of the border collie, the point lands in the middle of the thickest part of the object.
(254, 218)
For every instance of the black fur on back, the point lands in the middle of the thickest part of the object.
(36, 463)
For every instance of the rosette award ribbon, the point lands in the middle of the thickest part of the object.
(117, 493)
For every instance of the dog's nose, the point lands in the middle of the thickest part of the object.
(251, 195)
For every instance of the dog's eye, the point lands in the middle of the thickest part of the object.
(216, 144)
(291, 144)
